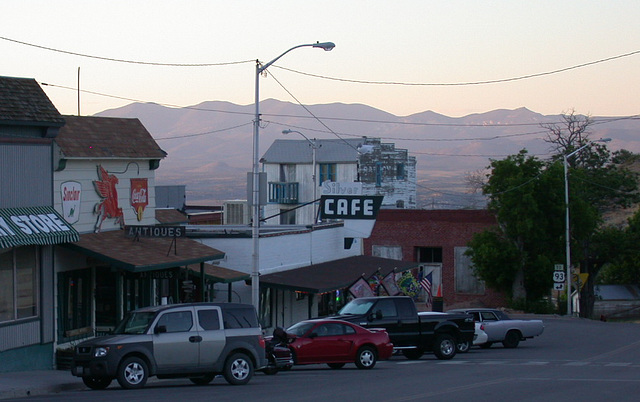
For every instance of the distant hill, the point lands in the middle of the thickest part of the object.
(209, 145)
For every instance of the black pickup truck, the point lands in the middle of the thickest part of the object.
(410, 333)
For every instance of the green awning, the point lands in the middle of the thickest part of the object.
(34, 225)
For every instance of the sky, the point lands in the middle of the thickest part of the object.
(422, 46)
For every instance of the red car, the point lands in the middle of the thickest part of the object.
(337, 342)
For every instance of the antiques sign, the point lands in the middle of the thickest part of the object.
(155, 231)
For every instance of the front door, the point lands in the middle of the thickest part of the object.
(178, 348)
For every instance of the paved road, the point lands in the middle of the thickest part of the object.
(574, 359)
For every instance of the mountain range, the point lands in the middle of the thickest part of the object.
(209, 145)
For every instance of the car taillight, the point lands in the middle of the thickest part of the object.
(482, 327)
(262, 342)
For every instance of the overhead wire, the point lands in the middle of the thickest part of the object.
(148, 63)
(496, 81)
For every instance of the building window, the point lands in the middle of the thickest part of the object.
(378, 174)
(287, 217)
(429, 254)
(400, 171)
(287, 173)
(18, 283)
(327, 172)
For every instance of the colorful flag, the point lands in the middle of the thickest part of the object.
(361, 288)
(389, 284)
(426, 285)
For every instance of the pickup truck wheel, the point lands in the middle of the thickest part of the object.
(238, 369)
(133, 373)
(511, 339)
(366, 358)
(204, 380)
(96, 382)
(445, 347)
(463, 347)
(412, 354)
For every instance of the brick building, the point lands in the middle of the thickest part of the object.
(437, 239)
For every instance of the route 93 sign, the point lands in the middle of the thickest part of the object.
(348, 207)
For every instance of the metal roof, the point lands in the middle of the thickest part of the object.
(300, 151)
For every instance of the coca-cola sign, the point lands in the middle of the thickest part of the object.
(139, 196)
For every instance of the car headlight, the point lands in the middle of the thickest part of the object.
(100, 352)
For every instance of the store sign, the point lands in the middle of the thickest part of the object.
(350, 207)
(71, 192)
(34, 225)
(139, 196)
(155, 231)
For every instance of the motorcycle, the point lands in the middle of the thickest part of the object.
(279, 355)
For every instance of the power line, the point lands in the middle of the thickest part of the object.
(205, 133)
(497, 81)
(123, 60)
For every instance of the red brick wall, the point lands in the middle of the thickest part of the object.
(435, 228)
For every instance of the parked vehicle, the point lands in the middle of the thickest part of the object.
(279, 356)
(411, 333)
(479, 336)
(501, 328)
(337, 342)
(197, 341)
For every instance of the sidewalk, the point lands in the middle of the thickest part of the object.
(39, 382)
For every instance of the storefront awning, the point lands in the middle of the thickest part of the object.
(220, 274)
(333, 275)
(144, 253)
(34, 225)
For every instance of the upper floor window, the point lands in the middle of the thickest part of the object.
(378, 174)
(327, 172)
(400, 173)
(429, 254)
(287, 173)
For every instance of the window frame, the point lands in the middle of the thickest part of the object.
(32, 290)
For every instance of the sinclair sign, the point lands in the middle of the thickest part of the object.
(348, 207)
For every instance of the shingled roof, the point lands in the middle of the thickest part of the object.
(22, 101)
(106, 137)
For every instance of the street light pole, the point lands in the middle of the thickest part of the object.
(314, 147)
(255, 174)
(567, 230)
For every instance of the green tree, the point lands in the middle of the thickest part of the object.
(527, 197)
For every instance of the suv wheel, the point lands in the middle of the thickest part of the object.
(133, 373)
(238, 369)
(96, 382)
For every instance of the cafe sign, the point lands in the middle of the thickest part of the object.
(350, 207)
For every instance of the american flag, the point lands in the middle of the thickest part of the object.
(426, 285)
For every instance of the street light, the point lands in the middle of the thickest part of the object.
(314, 147)
(567, 232)
(255, 187)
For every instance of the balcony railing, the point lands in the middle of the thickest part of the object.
(283, 192)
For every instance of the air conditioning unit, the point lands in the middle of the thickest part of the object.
(236, 212)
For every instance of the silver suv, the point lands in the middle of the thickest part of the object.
(197, 341)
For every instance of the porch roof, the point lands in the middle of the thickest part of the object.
(333, 275)
(145, 253)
